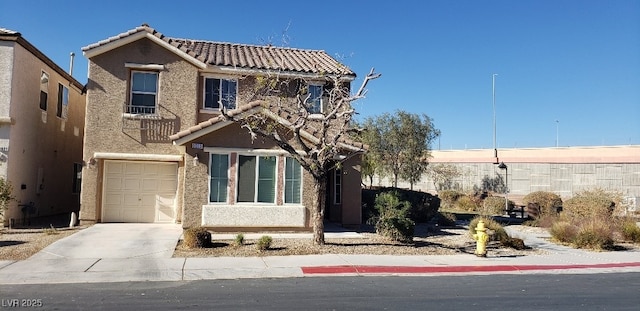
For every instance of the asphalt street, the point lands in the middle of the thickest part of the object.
(609, 291)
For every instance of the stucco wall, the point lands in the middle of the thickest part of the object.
(107, 130)
(564, 171)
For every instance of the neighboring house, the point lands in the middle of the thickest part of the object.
(41, 131)
(159, 150)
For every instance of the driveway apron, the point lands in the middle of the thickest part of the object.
(116, 240)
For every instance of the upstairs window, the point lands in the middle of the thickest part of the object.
(314, 100)
(220, 93)
(144, 92)
(63, 101)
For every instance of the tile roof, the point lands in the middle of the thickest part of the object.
(245, 56)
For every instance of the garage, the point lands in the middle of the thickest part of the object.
(139, 191)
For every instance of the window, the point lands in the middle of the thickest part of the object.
(314, 102)
(43, 100)
(256, 179)
(44, 90)
(218, 172)
(63, 101)
(219, 92)
(337, 182)
(292, 181)
(77, 177)
(144, 91)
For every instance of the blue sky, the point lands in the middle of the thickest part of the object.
(574, 61)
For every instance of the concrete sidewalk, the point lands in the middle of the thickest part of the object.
(557, 259)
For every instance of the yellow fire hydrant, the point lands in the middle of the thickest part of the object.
(481, 238)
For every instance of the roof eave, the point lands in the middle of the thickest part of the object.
(292, 74)
(90, 52)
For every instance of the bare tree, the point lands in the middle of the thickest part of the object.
(312, 130)
(443, 175)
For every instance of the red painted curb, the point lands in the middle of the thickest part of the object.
(454, 269)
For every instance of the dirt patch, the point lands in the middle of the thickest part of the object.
(446, 241)
(20, 244)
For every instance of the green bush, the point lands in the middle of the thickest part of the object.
(393, 220)
(239, 240)
(591, 203)
(423, 206)
(197, 237)
(630, 230)
(6, 195)
(264, 243)
(496, 233)
(547, 202)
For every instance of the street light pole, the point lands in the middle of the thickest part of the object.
(493, 91)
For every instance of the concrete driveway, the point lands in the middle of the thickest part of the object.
(116, 240)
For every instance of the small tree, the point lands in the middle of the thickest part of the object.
(284, 111)
(443, 175)
(6, 195)
(399, 144)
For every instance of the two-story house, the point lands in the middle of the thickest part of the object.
(158, 150)
(41, 131)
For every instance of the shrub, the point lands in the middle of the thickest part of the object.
(448, 198)
(494, 205)
(446, 219)
(239, 240)
(595, 234)
(496, 233)
(467, 203)
(591, 203)
(423, 206)
(563, 231)
(630, 230)
(197, 237)
(547, 202)
(6, 195)
(393, 220)
(264, 243)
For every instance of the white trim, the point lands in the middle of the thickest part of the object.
(267, 152)
(138, 156)
(145, 66)
(89, 53)
(6, 120)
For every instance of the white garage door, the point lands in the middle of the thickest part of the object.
(139, 191)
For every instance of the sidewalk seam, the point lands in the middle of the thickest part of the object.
(93, 264)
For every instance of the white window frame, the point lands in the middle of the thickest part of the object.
(209, 176)
(156, 94)
(63, 101)
(321, 98)
(219, 101)
(284, 190)
(44, 89)
(256, 178)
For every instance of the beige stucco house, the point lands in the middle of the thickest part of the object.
(158, 149)
(41, 131)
